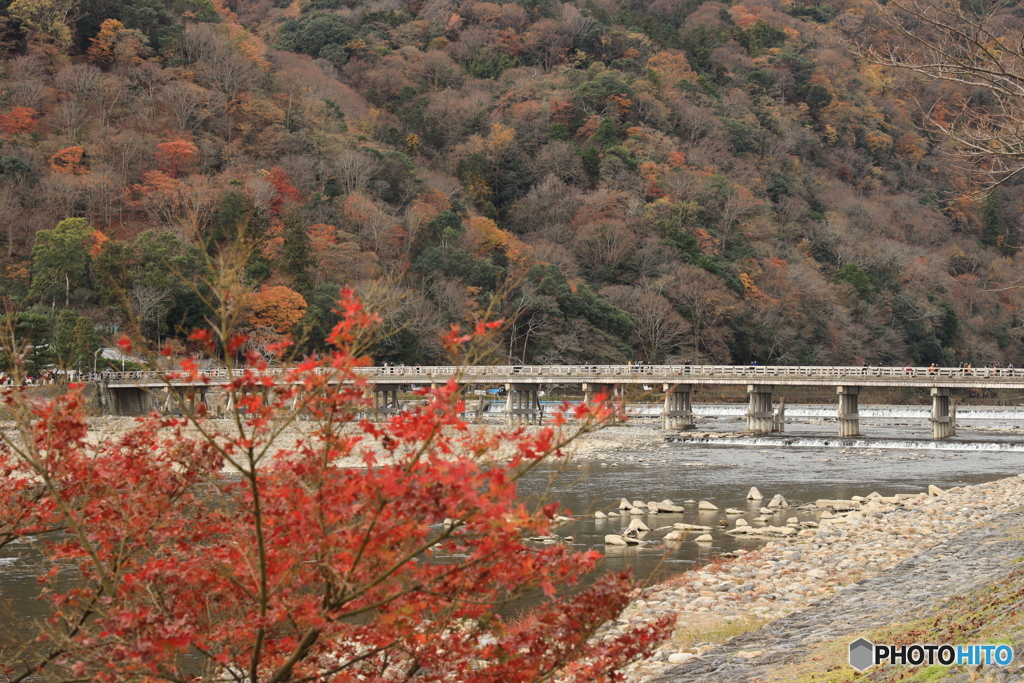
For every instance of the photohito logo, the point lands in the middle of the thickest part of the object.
(864, 654)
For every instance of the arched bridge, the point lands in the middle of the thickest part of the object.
(132, 392)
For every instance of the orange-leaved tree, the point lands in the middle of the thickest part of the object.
(72, 160)
(176, 157)
(20, 120)
(277, 307)
(298, 541)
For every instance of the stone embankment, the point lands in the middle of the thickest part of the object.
(870, 537)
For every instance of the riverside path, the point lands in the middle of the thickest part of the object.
(125, 393)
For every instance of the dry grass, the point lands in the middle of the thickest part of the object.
(711, 628)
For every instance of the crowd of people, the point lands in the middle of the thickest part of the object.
(39, 379)
(963, 370)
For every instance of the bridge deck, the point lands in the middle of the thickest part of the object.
(708, 375)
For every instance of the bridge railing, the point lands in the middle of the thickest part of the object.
(610, 373)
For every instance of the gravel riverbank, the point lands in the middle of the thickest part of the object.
(851, 558)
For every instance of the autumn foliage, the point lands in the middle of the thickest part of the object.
(361, 551)
(70, 160)
(542, 156)
(176, 156)
(277, 307)
(20, 120)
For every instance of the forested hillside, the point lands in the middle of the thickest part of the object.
(664, 180)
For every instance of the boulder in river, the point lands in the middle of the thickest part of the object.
(638, 525)
(636, 511)
(754, 494)
(600, 515)
(934, 491)
(704, 538)
(705, 505)
(779, 501)
(624, 504)
(639, 504)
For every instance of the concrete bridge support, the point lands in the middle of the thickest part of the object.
(848, 415)
(591, 390)
(760, 417)
(942, 419)
(130, 401)
(522, 405)
(779, 417)
(677, 415)
(177, 397)
(385, 401)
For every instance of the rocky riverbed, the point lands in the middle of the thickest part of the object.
(788, 575)
(108, 428)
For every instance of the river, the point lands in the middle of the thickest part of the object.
(807, 462)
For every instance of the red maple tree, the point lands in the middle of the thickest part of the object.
(360, 550)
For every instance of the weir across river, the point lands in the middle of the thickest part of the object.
(127, 393)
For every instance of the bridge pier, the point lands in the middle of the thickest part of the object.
(385, 400)
(779, 417)
(184, 395)
(848, 415)
(760, 417)
(590, 390)
(943, 420)
(522, 405)
(128, 401)
(677, 415)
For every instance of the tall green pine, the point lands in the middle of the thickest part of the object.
(992, 219)
(297, 257)
(86, 342)
(591, 159)
(64, 338)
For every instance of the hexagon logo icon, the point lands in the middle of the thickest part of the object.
(862, 654)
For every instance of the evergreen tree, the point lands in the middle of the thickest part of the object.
(86, 342)
(607, 133)
(297, 256)
(592, 163)
(61, 261)
(992, 219)
(64, 338)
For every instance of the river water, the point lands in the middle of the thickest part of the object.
(895, 455)
(807, 462)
